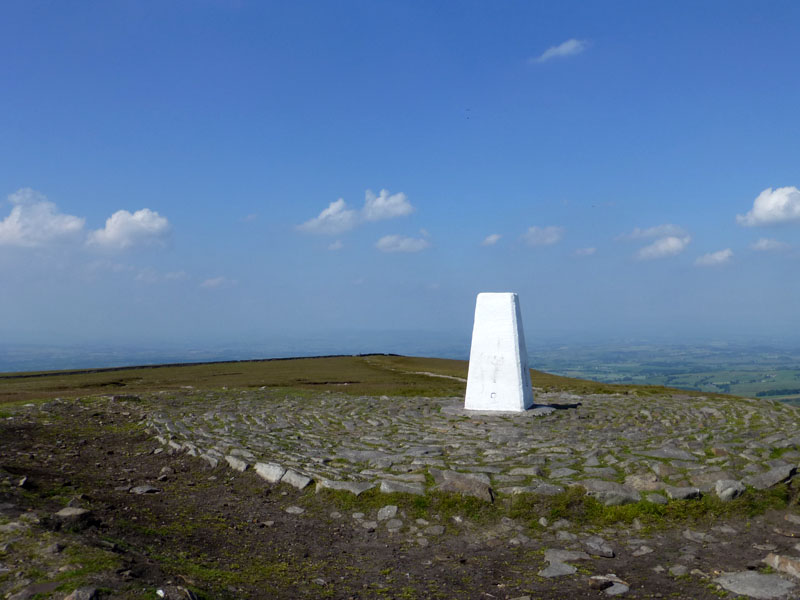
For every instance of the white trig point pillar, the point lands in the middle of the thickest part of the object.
(499, 378)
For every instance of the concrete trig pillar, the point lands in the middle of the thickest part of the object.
(499, 377)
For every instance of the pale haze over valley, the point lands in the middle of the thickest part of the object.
(269, 177)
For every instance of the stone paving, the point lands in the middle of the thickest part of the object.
(621, 448)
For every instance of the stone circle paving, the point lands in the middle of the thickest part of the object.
(621, 448)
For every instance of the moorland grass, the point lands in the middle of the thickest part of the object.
(369, 375)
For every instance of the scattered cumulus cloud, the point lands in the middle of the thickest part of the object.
(543, 236)
(400, 243)
(385, 206)
(769, 245)
(781, 205)
(585, 251)
(217, 282)
(335, 219)
(664, 247)
(713, 259)
(491, 240)
(569, 48)
(124, 230)
(337, 245)
(338, 218)
(666, 230)
(35, 221)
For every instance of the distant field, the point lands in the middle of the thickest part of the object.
(372, 375)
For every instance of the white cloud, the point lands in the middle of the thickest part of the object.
(585, 251)
(337, 218)
(543, 236)
(337, 245)
(667, 246)
(35, 221)
(385, 206)
(124, 229)
(713, 259)
(569, 48)
(399, 243)
(217, 282)
(781, 205)
(769, 245)
(491, 240)
(668, 229)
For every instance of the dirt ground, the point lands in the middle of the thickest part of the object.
(215, 533)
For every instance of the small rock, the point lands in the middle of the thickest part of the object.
(683, 493)
(237, 464)
(557, 569)
(785, 564)
(771, 478)
(370, 525)
(394, 524)
(294, 510)
(728, 489)
(269, 472)
(387, 512)
(756, 585)
(597, 546)
(678, 570)
(83, 593)
(144, 489)
(642, 550)
(354, 487)
(295, 479)
(74, 518)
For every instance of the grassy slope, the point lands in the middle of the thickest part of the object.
(359, 375)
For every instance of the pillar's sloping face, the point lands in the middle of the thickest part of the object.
(499, 378)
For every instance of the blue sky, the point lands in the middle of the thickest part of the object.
(219, 171)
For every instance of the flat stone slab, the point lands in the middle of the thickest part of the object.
(398, 443)
(354, 487)
(756, 585)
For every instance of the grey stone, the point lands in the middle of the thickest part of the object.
(389, 486)
(83, 593)
(294, 510)
(597, 546)
(728, 489)
(617, 589)
(534, 471)
(771, 478)
(557, 555)
(557, 569)
(668, 452)
(469, 484)
(394, 524)
(561, 473)
(678, 570)
(387, 512)
(548, 489)
(354, 487)
(644, 482)
(296, 479)
(609, 493)
(270, 472)
(756, 585)
(785, 564)
(237, 464)
(683, 493)
(144, 489)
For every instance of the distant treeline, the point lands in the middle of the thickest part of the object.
(786, 392)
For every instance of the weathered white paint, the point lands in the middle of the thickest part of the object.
(499, 378)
